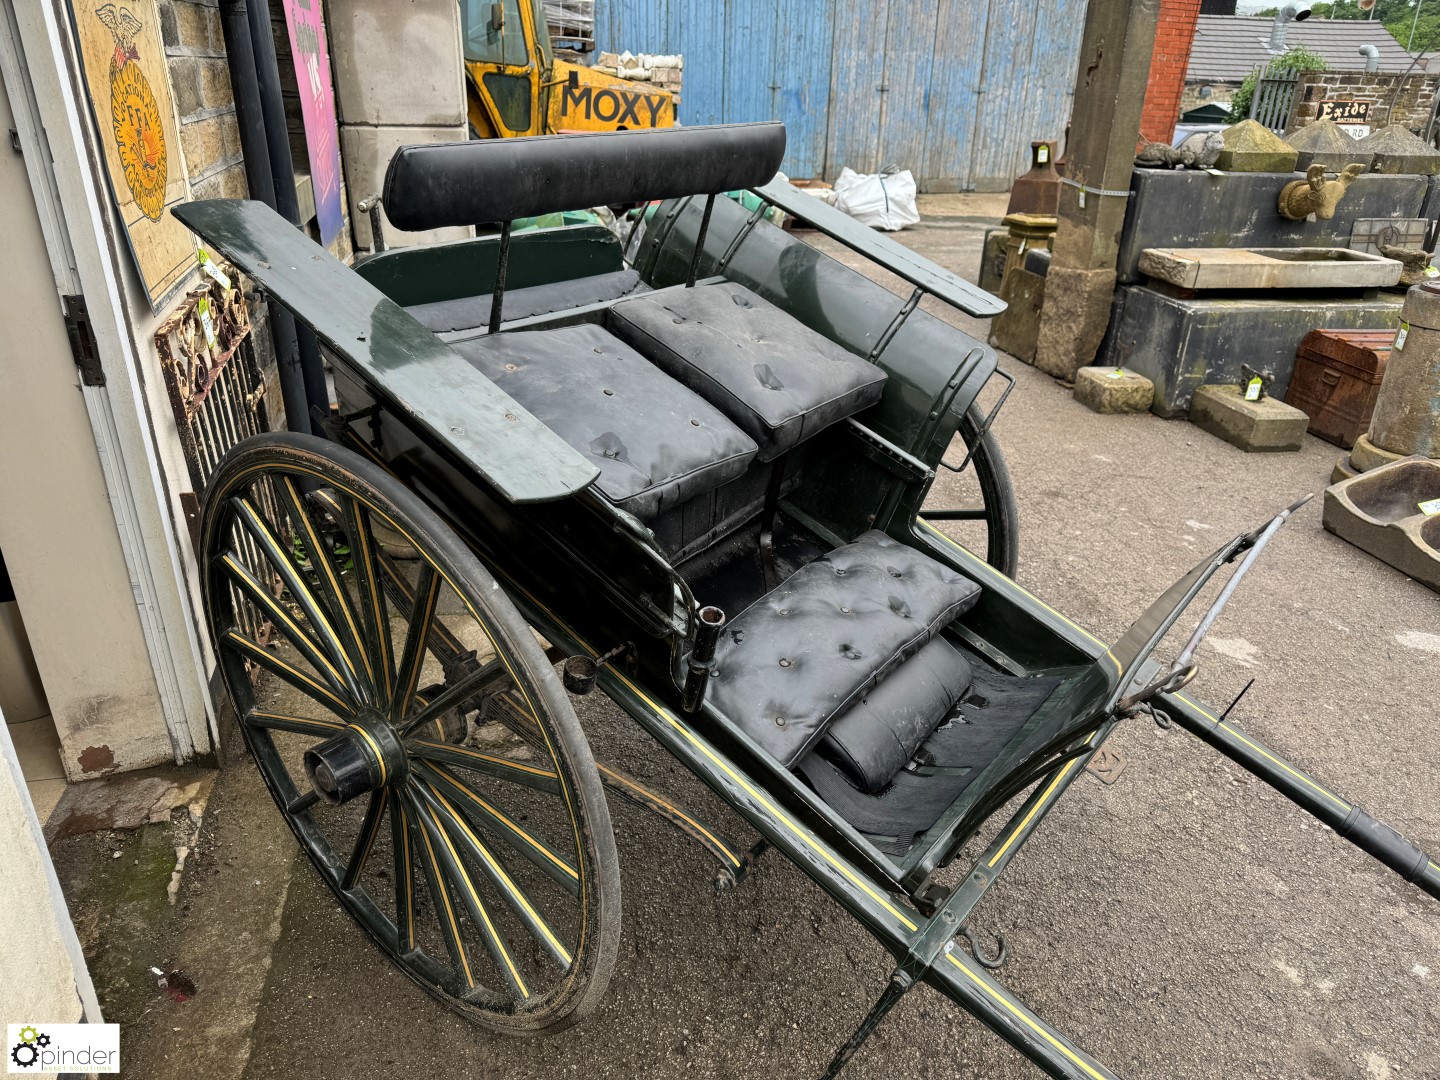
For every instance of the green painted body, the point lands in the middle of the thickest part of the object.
(587, 575)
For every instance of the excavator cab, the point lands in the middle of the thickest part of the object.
(516, 86)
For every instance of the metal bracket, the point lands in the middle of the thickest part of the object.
(82, 341)
(986, 424)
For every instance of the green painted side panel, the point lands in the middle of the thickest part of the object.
(423, 275)
(421, 376)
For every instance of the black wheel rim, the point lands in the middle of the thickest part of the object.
(465, 858)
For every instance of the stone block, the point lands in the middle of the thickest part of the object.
(1017, 328)
(1326, 143)
(215, 89)
(199, 27)
(1074, 319)
(1238, 269)
(1113, 390)
(1252, 147)
(185, 83)
(203, 142)
(1264, 426)
(1397, 150)
(397, 62)
(1365, 455)
(366, 153)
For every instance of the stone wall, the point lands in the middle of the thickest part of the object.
(200, 79)
(1412, 106)
(1173, 38)
(1196, 94)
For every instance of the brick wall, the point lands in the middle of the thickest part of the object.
(200, 78)
(1412, 104)
(1173, 37)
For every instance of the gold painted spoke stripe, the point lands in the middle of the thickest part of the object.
(412, 659)
(298, 637)
(375, 592)
(536, 844)
(255, 525)
(650, 796)
(1267, 755)
(369, 829)
(440, 630)
(504, 763)
(303, 725)
(289, 672)
(1044, 801)
(404, 875)
(476, 905)
(451, 926)
(981, 563)
(990, 991)
(330, 480)
(505, 882)
(321, 559)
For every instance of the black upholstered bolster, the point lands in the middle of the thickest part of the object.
(804, 653)
(873, 740)
(490, 180)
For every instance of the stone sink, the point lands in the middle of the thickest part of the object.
(1269, 268)
(1392, 512)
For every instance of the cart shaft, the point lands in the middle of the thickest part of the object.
(1371, 836)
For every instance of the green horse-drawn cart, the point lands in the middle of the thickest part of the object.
(688, 468)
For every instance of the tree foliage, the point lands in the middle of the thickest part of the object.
(1297, 58)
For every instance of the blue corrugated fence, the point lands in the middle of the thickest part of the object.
(953, 90)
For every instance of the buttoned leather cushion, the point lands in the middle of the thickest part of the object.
(468, 312)
(808, 650)
(656, 443)
(780, 381)
(872, 740)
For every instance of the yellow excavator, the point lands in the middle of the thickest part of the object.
(516, 86)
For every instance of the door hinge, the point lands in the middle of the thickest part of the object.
(82, 341)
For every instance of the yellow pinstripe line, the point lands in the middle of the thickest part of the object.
(1033, 811)
(536, 844)
(479, 904)
(275, 609)
(258, 651)
(510, 886)
(673, 809)
(1020, 1015)
(431, 602)
(374, 746)
(409, 875)
(1268, 756)
(486, 757)
(365, 855)
(324, 562)
(327, 725)
(445, 896)
(1010, 581)
(382, 628)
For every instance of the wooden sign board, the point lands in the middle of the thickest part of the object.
(1343, 110)
(123, 62)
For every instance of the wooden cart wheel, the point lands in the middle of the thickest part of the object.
(987, 481)
(412, 733)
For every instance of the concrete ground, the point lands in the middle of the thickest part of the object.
(1185, 922)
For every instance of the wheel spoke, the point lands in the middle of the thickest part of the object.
(404, 875)
(369, 577)
(301, 803)
(282, 620)
(440, 900)
(412, 659)
(968, 514)
(454, 695)
(517, 772)
(302, 725)
(329, 581)
(306, 684)
(439, 844)
(446, 644)
(464, 840)
(369, 829)
(486, 814)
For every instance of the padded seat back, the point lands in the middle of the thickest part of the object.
(780, 381)
(485, 181)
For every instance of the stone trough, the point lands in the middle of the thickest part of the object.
(1237, 269)
(1392, 512)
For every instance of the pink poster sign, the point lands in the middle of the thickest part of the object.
(306, 22)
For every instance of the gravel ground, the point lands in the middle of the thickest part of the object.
(1184, 922)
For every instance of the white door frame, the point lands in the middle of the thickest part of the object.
(89, 257)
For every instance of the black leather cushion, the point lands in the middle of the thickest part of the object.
(770, 373)
(489, 180)
(875, 737)
(656, 443)
(805, 652)
(469, 312)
